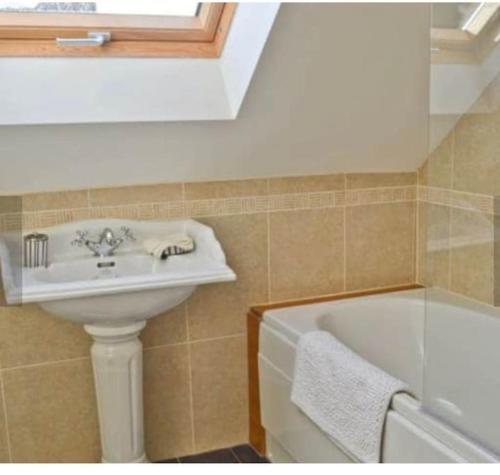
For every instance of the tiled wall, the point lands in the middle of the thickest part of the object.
(286, 238)
(458, 184)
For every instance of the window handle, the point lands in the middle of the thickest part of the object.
(94, 38)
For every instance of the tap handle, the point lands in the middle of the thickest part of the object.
(127, 234)
(80, 240)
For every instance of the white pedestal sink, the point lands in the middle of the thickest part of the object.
(113, 297)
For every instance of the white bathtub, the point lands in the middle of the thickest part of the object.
(447, 350)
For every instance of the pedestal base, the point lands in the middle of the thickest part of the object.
(117, 363)
(142, 459)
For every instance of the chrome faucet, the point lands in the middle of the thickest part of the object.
(107, 242)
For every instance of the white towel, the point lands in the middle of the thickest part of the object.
(345, 395)
(170, 245)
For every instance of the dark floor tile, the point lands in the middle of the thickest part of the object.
(217, 456)
(246, 454)
(176, 460)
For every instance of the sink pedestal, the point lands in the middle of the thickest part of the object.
(117, 362)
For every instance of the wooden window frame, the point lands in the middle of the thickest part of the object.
(202, 36)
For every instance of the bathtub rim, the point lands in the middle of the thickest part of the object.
(276, 318)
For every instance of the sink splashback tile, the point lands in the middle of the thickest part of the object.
(135, 194)
(475, 160)
(377, 180)
(55, 200)
(436, 170)
(306, 253)
(436, 242)
(379, 245)
(225, 189)
(167, 402)
(11, 204)
(4, 448)
(52, 414)
(472, 258)
(28, 335)
(220, 309)
(168, 328)
(306, 184)
(220, 401)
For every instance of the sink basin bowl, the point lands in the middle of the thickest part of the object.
(126, 287)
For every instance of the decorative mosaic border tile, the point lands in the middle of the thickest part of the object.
(380, 195)
(213, 207)
(456, 199)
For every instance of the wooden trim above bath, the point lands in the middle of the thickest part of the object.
(202, 36)
(257, 434)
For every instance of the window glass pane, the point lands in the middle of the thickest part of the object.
(119, 7)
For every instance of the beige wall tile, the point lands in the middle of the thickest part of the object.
(3, 302)
(496, 254)
(375, 180)
(477, 142)
(379, 245)
(11, 222)
(114, 212)
(136, 194)
(167, 402)
(52, 413)
(4, 450)
(433, 259)
(225, 189)
(421, 237)
(306, 184)
(29, 335)
(220, 309)
(307, 253)
(472, 254)
(55, 200)
(220, 400)
(438, 246)
(11, 204)
(422, 173)
(437, 169)
(170, 327)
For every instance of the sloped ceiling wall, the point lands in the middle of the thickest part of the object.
(340, 87)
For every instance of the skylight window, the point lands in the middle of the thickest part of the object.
(113, 28)
(464, 33)
(109, 7)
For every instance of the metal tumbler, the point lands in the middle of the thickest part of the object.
(36, 250)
